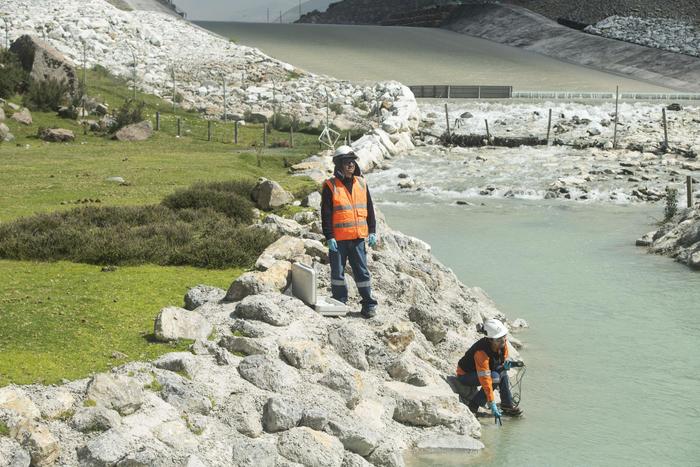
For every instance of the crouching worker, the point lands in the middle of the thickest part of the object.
(486, 364)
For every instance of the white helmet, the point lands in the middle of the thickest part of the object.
(343, 152)
(494, 328)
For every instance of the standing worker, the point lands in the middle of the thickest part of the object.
(486, 364)
(347, 216)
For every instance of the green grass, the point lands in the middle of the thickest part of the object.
(64, 320)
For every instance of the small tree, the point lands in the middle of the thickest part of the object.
(130, 112)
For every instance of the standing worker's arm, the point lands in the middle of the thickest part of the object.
(483, 372)
(327, 211)
(371, 220)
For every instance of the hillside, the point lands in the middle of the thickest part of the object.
(577, 11)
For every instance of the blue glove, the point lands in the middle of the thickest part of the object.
(494, 409)
(333, 245)
(507, 365)
(372, 240)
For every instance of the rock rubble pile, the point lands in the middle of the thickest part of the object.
(274, 383)
(174, 59)
(660, 33)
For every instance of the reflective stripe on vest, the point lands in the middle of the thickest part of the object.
(349, 209)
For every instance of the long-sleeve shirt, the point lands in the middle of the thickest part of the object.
(327, 208)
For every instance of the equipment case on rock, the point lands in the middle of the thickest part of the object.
(304, 288)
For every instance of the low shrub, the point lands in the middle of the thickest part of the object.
(152, 234)
(131, 111)
(46, 96)
(13, 78)
(230, 198)
(336, 108)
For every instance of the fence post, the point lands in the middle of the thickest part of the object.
(208, 130)
(478, 91)
(179, 127)
(291, 136)
(447, 120)
(617, 98)
(448, 91)
(488, 134)
(549, 126)
(264, 135)
(157, 121)
(663, 113)
(689, 190)
(235, 132)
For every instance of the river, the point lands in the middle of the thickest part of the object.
(613, 370)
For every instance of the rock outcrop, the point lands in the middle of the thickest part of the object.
(678, 238)
(44, 62)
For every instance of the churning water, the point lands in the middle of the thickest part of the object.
(613, 374)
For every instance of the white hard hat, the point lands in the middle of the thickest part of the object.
(343, 152)
(494, 328)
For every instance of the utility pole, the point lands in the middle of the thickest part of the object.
(280, 16)
(173, 72)
(225, 113)
(83, 97)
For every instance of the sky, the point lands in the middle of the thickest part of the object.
(239, 10)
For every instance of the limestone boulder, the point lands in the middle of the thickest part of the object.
(449, 441)
(2, 114)
(268, 373)
(354, 460)
(89, 419)
(242, 412)
(355, 436)
(260, 452)
(173, 323)
(40, 444)
(304, 354)
(275, 279)
(350, 385)
(281, 225)
(268, 195)
(56, 135)
(312, 200)
(434, 405)
(184, 394)
(263, 308)
(284, 248)
(201, 294)
(249, 345)
(388, 454)
(136, 132)
(310, 448)
(44, 62)
(12, 454)
(117, 392)
(281, 414)
(5, 135)
(434, 324)
(23, 116)
(15, 399)
(54, 402)
(183, 363)
(348, 340)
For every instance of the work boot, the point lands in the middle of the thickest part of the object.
(368, 312)
(511, 411)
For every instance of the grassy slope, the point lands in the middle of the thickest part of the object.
(64, 320)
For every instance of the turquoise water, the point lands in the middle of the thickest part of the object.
(612, 350)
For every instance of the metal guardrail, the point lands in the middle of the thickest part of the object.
(604, 95)
(461, 92)
(505, 92)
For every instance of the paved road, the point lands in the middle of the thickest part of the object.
(419, 56)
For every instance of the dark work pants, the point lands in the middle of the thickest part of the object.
(500, 381)
(353, 251)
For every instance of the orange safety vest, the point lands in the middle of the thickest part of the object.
(349, 209)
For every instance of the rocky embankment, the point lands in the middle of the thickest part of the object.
(678, 238)
(660, 33)
(157, 47)
(268, 381)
